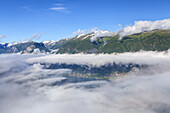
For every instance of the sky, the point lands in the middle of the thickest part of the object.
(40, 20)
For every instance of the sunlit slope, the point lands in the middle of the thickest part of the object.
(158, 40)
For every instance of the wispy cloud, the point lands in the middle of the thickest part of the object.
(59, 9)
(79, 32)
(35, 36)
(2, 36)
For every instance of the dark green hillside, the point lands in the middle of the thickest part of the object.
(158, 40)
(78, 45)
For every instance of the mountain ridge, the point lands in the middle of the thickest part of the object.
(155, 40)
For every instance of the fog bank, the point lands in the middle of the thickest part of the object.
(26, 87)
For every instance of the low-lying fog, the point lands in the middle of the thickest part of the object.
(27, 87)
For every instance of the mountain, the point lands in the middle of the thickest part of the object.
(55, 44)
(23, 48)
(156, 40)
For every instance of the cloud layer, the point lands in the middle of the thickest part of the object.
(26, 88)
(102, 59)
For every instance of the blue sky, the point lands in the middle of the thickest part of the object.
(56, 19)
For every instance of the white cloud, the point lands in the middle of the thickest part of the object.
(2, 36)
(138, 27)
(32, 89)
(60, 9)
(101, 33)
(79, 31)
(120, 25)
(142, 26)
(94, 29)
(102, 59)
(35, 36)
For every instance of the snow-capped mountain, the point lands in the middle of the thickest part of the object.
(95, 42)
(23, 48)
(49, 43)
